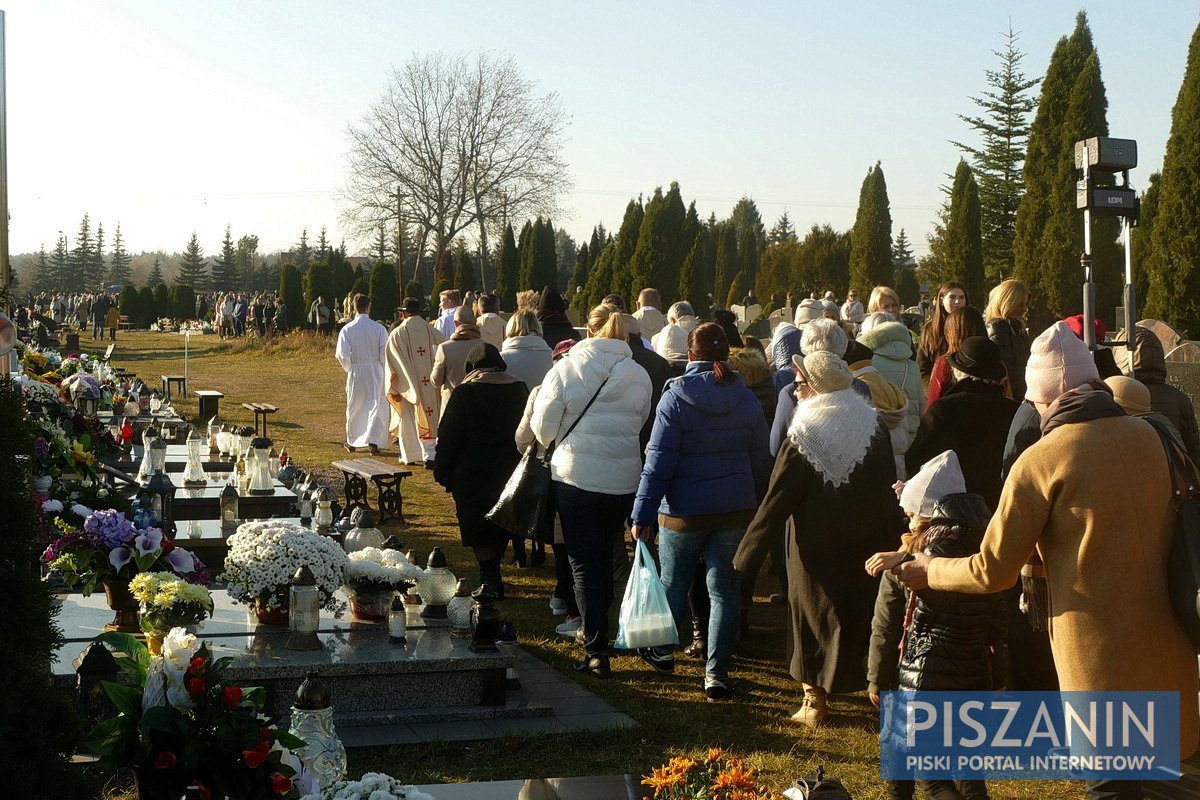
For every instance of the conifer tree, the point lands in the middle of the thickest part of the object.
(964, 233)
(782, 231)
(343, 275)
(79, 262)
(728, 263)
(118, 271)
(691, 276)
(657, 259)
(162, 301)
(565, 254)
(224, 267)
(156, 274)
(60, 264)
(318, 282)
(147, 307)
(1143, 242)
(748, 255)
(43, 278)
(871, 239)
(322, 246)
(1003, 126)
(193, 269)
(1174, 291)
(526, 246)
(292, 294)
(545, 258)
(902, 254)
(303, 254)
(907, 287)
(617, 278)
(600, 281)
(382, 244)
(247, 267)
(746, 218)
(464, 271)
(97, 270)
(508, 269)
(583, 265)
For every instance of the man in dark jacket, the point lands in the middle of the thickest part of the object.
(657, 367)
(99, 312)
(1150, 367)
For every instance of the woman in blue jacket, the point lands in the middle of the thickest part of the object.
(707, 466)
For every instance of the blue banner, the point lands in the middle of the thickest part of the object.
(1029, 735)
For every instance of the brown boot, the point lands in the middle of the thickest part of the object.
(815, 708)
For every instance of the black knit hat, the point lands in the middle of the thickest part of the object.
(979, 357)
(485, 356)
(551, 301)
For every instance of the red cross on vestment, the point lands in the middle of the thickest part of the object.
(424, 381)
(429, 410)
(420, 351)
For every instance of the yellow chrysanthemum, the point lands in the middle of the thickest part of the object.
(664, 779)
(713, 755)
(735, 776)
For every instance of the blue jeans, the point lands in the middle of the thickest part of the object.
(592, 524)
(679, 551)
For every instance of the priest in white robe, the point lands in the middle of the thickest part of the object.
(416, 403)
(360, 351)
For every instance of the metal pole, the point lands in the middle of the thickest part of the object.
(399, 246)
(1089, 287)
(1130, 295)
(5, 274)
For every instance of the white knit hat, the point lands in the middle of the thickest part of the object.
(1059, 361)
(941, 476)
(807, 311)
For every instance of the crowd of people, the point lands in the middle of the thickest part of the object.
(932, 503)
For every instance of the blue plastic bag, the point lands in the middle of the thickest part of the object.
(646, 619)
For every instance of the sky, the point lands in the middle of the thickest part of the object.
(170, 117)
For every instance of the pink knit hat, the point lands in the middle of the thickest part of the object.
(1058, 362)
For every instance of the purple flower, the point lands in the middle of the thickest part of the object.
(41, 448)
(109, 528)
(148, 541)
(120, 557)
(181, 561)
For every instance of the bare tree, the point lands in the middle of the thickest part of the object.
(466, 140)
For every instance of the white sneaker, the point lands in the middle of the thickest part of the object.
(569, 627)
(558, 606)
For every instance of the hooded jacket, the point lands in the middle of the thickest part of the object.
(602, 454)
(672, 341)
(708, 450)
(956, 641)
(755, 371)
(528, 358)
(1150, 367)
(892, 344)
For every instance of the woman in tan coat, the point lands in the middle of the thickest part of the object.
(1103, 533)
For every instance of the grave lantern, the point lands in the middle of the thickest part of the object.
(86, 403)
(312, 720)
(143, 399)
(304, 611)
(323, 519)
(194, 475)
(214, 428)
(229, 508)
(458, 610)
(397, 620)
(259, 465)
(145, 469)
(485, 621)
(160, 493)
(506, 638)
(436, 586)
(364, 533)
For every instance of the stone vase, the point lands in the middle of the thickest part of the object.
(124, 606)
(274, 616)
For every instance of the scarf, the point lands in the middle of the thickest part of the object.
(489, 375)
(834, 431)
(548, 316)
(1092, 401)
(466, 330)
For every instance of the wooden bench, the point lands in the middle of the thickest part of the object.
(386, 477)
(123, 323)
(261, 410)
(174, 382)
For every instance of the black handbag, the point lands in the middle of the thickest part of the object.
(1183, 564)
(524, 503)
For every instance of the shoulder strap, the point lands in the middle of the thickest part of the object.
(1183, 471)
(585, 410)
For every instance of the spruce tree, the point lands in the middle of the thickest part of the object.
(1174, 291)
(464, 271)
(1003, 127)
(303, 255)
(782, 231)
(156, 274)
(247, 266)
(224, 268)
(43, 278)
(193, 268)
(382, 244)
(97, 270)
(566, 254)
(902, 254)
(545, 258)
(322, 246)
(60, 265)
(583, 264)
(746, 218)
(871, 239)
(964, 233)
(508, 269)
(79, 262)
(118, 271)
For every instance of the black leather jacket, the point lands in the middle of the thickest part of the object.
(956, 641)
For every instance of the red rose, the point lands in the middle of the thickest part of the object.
(196, 667)
(264, 734)
(166, 759)
(280, 783)
(254, 758)
(167, 545)
(231, 696)
(195, 686)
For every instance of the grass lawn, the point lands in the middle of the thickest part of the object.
(299, 375)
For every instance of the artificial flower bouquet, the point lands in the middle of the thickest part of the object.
(716, 777)
(371, 786)
(374, 571)
(263, 557)
(167, 601)
(109, 547)
(182, 723)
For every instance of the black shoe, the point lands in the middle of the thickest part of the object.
(716, 690)
(596, 665)
(374, 449)
(349, 447)
(429, 463)
(661, 659)
(538, 556)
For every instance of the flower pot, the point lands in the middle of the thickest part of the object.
(373, 607)
(154, 642)
(274, 616)
(122, 602)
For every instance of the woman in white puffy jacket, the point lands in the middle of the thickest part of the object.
(597, 466)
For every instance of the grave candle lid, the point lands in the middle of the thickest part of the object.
(312, 694)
